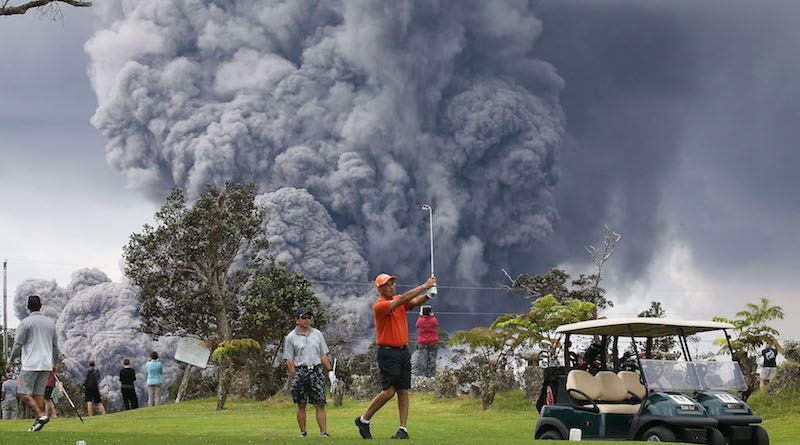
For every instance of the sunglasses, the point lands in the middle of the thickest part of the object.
(306, 317)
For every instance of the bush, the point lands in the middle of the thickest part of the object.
(787, 377)
(364, 387)
(421, 383)
(791, 349)
(532, 378)
(445, 384)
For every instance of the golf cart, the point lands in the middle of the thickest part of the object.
(644, 398)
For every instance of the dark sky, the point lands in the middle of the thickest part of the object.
(680, 134)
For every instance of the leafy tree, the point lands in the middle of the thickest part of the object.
(184, 266)
(752, 332)
(231, 357)
(664, 344)
(537, 327)
(267, 315)
(47, 8)
(490, 349)
(552, 283)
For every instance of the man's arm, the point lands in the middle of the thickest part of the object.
(413, 297)
(19, 340)
(290, 365)
(325, 362)
(55, 348)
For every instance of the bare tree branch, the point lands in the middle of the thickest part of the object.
(23, 8)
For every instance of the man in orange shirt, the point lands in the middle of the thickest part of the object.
(394, 361)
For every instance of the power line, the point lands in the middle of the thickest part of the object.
(361, 283)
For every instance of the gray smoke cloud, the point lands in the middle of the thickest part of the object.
(372, 108)
(96, 320)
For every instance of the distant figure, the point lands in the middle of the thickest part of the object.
(769, 366)
(91, 390)
(154, 381)
(306, 352)
(37, 344)
(427, 341)
(126, 378)
(8, 399)
(49, 405)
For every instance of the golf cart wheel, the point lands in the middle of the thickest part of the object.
(715, 437)
(760, 436)
(551, 435)
(658, 434)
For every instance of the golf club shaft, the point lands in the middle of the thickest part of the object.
(430, 212)
(69, 399)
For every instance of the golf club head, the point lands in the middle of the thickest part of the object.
(426, 207)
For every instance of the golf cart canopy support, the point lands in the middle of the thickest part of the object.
(641, 327)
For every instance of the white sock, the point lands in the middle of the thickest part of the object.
(403, 428)
(363, 420)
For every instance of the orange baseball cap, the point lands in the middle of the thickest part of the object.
(383, 279)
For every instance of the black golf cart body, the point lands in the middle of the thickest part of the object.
(660, 400)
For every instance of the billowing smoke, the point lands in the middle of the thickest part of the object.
(371, 108)
(96, 320)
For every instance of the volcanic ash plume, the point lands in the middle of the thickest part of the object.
(96, 320)
(373, 108)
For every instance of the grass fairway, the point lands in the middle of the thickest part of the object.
(431, 421)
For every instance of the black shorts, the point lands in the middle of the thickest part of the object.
(308, 386)
(48, 393)
(92, 395)
(395, 365)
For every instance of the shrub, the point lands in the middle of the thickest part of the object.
(791, 349)
(421, 383)
(445, 384)
(532, 378)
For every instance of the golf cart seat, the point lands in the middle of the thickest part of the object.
(633, 383)
(606, 391)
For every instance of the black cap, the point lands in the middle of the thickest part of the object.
(302, 311)
(34, 303)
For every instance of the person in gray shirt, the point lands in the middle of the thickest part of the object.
(304, 351)
(37, 344)
(9, 399)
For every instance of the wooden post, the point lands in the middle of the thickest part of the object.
(184, 383)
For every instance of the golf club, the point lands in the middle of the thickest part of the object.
(64, 391)
(432, 291)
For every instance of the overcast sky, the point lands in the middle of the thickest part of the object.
(680, 133)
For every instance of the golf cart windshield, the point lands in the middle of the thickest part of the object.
(668, 375)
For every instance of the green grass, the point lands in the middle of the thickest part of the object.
(431, 421)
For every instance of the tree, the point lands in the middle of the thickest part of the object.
(752, 332)
(589, 287)
(537, 327)
(663, 344)
(490, 348)
(267, 315)
(552, 283)
(47, 8)
(231, 357)
(184, 266)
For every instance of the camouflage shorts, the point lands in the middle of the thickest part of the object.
(308, 386)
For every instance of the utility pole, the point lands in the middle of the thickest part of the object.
(5, 309)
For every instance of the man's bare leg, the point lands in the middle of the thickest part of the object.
(89, 409)
(32, 404)
(378, 402)
(402, 406)
(301, 416)
(101, 408)
(321, 419)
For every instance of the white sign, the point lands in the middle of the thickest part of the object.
(192, 351)
(680, 400)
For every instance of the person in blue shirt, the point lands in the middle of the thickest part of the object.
(154, 381)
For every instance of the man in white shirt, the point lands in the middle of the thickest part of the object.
(37, 344)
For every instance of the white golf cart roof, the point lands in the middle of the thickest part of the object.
(642, 327)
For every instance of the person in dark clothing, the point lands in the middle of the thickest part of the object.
(126, 378)
(769, 366)
(91, 390)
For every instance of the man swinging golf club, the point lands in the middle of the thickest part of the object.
(393, 359)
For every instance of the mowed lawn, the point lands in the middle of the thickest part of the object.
(432, 421)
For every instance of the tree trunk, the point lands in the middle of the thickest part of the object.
(222, 387)
(488, 399)
(184, 383)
